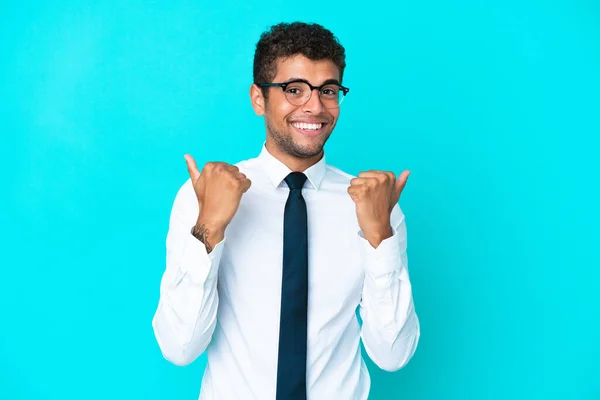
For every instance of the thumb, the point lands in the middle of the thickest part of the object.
(401, 182)
(192, 167)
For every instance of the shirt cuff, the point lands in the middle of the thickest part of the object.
(384, 259)
(196, 263)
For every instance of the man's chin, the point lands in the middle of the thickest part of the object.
(304, 153)
(307, 150)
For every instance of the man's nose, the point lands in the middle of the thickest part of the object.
(313, 104)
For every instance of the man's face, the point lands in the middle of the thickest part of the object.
(291, 128)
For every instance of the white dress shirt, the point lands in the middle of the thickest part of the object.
(227, 302)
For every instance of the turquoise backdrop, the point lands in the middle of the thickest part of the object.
(493, 105)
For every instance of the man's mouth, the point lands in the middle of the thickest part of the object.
(309, 128)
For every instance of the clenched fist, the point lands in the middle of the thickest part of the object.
(375, 194)
(219, 189)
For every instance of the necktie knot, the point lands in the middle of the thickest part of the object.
(295, 180)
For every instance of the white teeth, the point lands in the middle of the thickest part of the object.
(307, 127)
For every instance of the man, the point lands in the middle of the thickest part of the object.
(268, 259)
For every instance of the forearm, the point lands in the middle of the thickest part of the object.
(185, 318)
(390, 329)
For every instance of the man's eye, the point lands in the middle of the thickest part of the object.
(294, 91)
(330, 90)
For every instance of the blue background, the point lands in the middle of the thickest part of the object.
(492, 105)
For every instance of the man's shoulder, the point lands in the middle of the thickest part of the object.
(338, 174)
(247, 163)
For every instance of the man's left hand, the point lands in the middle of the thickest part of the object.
(375, 194)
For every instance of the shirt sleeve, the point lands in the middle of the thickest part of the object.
(186, 315)
(390, 329)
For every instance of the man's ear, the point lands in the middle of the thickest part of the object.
(257, 99)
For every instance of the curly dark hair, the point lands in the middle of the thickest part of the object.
(288, 39)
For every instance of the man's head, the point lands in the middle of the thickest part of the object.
(298, 125)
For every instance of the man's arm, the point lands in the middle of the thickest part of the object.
(390, 330)
(186, 315)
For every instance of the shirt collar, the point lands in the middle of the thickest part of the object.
(277, 171)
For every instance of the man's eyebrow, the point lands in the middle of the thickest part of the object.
(296, 78)
(334, 81)
(327, 82)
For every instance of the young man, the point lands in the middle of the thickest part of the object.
(268, 259)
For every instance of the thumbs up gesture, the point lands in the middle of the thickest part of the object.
(219, 188)
(375, 194)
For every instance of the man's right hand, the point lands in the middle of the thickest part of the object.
(219, 189)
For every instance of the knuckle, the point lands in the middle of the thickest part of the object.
(217, 168)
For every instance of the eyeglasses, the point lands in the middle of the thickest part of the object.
(299, 91)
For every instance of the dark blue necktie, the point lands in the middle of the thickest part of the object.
(291, 367)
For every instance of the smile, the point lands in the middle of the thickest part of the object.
(304, 126)
(309, 128)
